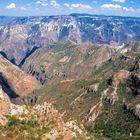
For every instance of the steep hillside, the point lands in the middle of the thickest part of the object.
(107, 102)
(65, 60)
(39, 122)
(14, 81)
(21, 36)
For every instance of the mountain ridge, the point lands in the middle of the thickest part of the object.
(27, 33)
(71, 14)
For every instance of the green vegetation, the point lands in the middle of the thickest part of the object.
(83, 83)
(116, 123)
(30, 130)
(90, 51)
(125, 91)
(60, 47)
(70, 96)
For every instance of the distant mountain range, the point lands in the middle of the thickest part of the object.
(20, 36)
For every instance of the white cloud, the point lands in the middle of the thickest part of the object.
(78, 5)
(116, 6)
(111, 6)
(54, 3)
(130, 9)
(122, 1)
(42, 3)
(84, 6)
(11, 6)
(67, 5)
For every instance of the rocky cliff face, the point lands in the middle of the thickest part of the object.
(19, 37)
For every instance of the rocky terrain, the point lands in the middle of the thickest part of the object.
(37, 122)
(21, 36)
(73, 77)
(66, 61)
(106, 101)
(88, 92)
(14, 81)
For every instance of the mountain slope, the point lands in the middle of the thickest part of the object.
(107, 102)
(14, 81)
(35, 122)
(65, 60)
(21, 36)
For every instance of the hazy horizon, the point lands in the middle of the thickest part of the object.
(90, 14)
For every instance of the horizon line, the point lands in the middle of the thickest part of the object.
(84, 14)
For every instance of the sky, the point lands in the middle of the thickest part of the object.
(64, 7)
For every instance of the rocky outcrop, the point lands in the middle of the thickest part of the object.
(41, 74)
(30, 100)
(4, 106)
(134, 83)
(46, 116)
(94, 113)
(110, 94)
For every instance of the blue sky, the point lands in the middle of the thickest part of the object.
(63, 7)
